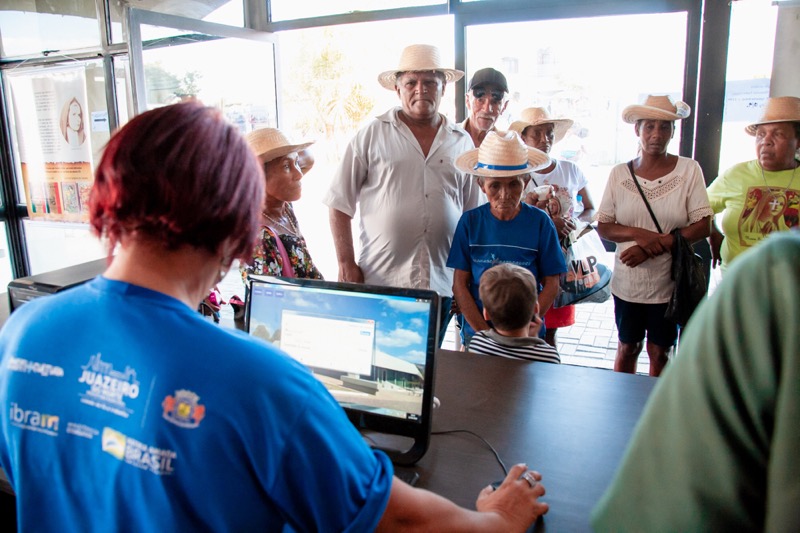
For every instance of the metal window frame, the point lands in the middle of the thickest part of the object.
(705, 61)
(708, 25)
(136, 18)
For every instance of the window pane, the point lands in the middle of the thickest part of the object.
(589, 84)
(748, 77)
(55, 150)
(230, 12)
(236, 75)
(43, 149)
(54, 245)
(300, 9)
(329, 88)
(30, 27)
(5, 259)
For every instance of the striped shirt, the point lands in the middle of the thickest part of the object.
(489, 342)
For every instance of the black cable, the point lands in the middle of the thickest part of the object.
(496, 455)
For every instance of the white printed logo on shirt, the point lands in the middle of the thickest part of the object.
(108, 388)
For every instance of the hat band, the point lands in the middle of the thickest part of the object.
(500, 167)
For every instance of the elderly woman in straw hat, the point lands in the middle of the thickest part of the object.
(281, 249)
(760, 196)
(503, 230)
(674, 188)
(564, 183)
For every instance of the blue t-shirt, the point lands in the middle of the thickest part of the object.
(529, 240)
(120, 407)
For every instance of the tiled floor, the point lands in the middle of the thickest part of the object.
(592, 340)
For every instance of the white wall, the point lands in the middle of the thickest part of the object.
(785, 74)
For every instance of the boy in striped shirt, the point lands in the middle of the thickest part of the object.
(509, 297)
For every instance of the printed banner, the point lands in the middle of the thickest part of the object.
(55, 153)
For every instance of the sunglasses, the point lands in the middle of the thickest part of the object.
(496, 96)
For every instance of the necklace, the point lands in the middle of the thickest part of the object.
(289, 226)
(773, 190)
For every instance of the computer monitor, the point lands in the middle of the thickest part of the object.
(372, 347)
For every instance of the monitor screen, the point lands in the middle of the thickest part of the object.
(372, 347)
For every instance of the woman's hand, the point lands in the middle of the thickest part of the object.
(715, 242)
(634, 256)
(516, 499)
(715, 239)
(564, 226)
(652, 243)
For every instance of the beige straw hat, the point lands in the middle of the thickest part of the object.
(502, 155)
(418, 58)
(533, 116)
(269, 143)
(778, 109)
(660, 107)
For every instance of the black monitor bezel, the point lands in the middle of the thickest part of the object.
(418, 430)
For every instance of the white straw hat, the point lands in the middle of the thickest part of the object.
(534, 116)
(419, 58)
(502, 155)
(270, 143)
(659, 107)
(778, 109)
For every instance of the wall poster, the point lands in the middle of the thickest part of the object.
(55, 153)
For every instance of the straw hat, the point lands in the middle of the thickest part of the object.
(533, 116)
(270, 143)
(502, 155)
(778, 109)
(660, 107)
(418, 58)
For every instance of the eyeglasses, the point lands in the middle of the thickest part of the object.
(496, 96)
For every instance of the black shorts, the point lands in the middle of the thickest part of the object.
(634, 320)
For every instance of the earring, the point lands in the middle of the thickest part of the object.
(224, 268)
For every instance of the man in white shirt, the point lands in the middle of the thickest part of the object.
(398, 171)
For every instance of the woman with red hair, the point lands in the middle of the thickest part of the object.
(118, 400)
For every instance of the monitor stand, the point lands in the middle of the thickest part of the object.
(402, 450)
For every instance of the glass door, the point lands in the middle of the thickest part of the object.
(175, 59)
(588, 70)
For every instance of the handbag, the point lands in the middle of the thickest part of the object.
(690, 280)
(687, 270)
(588, 275)
(287, 270)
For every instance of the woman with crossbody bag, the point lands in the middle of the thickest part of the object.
(655, 190)
(281, 249)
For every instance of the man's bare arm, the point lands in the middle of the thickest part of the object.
(341, 228)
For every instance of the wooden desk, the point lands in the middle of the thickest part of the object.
(570, 423)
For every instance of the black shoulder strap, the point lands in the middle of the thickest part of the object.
(649, 209)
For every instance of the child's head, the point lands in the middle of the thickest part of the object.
(509, 296)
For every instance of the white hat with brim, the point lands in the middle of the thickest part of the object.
(502, 155)
(270, 143)
(778, 109)
(419, 58)
(535, 116)
(660, 107)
